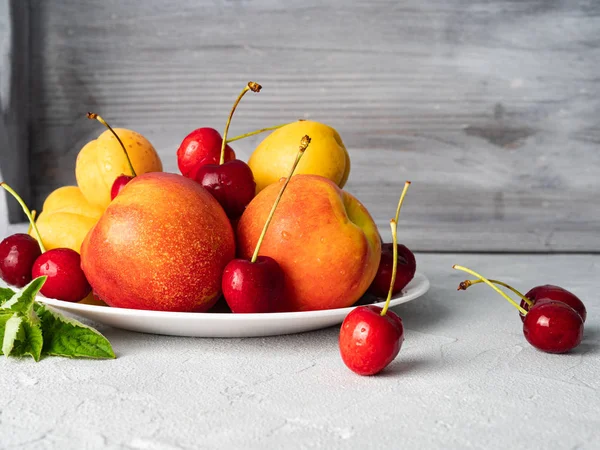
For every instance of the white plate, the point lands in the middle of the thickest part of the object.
(213, 324)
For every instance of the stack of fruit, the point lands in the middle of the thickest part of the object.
(159, 241)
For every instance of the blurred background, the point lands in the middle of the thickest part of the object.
(490, 107)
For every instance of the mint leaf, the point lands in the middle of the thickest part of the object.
(64, 336)
(4, 317)
(11, 330)
(22, 302)
(29, 341)
(6, 294)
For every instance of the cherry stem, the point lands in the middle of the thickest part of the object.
(33, 215)
(406, 185)
(95, 116)
(465, 284)
(252, 133)
(251, 86)
(494, 287)
(27, 213)
(394, 227)
(303, 146)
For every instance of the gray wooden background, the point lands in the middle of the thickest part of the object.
(490, 107)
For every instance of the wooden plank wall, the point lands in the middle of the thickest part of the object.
(14, 112)
(490, 107)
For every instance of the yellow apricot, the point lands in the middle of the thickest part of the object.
(327, 155)
(66, 218)
(102, 160)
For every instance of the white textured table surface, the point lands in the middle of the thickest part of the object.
(465, 378)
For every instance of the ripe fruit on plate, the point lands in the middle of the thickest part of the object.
(66, 281)
(66, 218)
(122, 180)
(61, 266)
(202, 146)
(101, 161)
(323, 238)
(18, 252)
(275, 154)
(162, 244)
(371, 337)
(230, 182)
(257, 285)
(550, 325)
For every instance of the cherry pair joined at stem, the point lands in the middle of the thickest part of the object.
(552, 317)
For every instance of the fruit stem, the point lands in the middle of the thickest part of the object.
(95, 116)
(303, 146)
(251, 86)
(406, 185)
(465, 284)
(394, 227)
(489, 283)
(27, 213)
(33, 215)
(252, 133)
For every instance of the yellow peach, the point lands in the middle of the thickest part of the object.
(323, 238)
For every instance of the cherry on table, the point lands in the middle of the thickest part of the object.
(369, 341)
(17, 255)
(545, 292)
(371, 337)
(553, 326)
(257, 285)
(549, 324)
(66, 281)
(554, 293)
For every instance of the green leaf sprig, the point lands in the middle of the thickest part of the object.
(30, 328)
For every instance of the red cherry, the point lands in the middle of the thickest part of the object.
(17, 255)
(201, 147)
(369, 341)
(553, 326)
(119, 184)
(407, 266)
(371, 337)
(66, 281)
(253, 287)
(554, 293)
(231, 183)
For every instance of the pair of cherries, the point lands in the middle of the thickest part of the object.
(371, 337)
(23, 258)
(206, 158)
(552, 317)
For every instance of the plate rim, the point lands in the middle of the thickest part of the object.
(423, 287)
